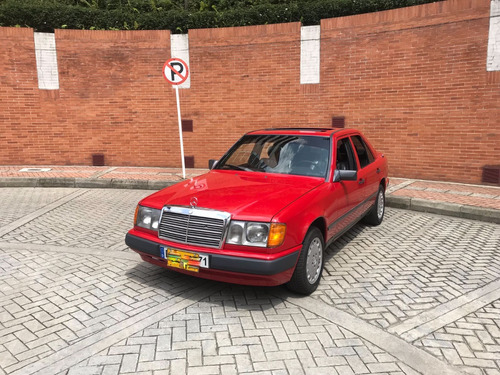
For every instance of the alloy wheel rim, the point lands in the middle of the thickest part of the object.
(314, 260)
(380, 205)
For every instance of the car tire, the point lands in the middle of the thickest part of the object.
(307, 274)
(376, 214)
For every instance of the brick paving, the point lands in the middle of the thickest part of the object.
(464, 194)
(488, 201)
(51, 301)
(54, 172)
(142, 176)
(176, 171)
(74, 300)
(412, 263)
(19, 202)
(454, 188)
(243, 331)
(113, 212)
(471, 343)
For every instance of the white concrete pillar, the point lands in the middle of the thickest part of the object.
(46, 61)
(310, 54)
(179, 47)
(493, 61)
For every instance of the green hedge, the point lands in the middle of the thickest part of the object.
(49, 16)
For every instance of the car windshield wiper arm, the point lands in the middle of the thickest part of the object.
(237, 167)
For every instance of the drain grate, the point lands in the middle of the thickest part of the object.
(35, 170)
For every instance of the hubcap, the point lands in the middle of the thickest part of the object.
(380, 205)
(314, 260)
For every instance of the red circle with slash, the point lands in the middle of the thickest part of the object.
(175, 71)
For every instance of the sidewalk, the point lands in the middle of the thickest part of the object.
(477, 202)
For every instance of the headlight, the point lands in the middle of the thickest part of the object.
(147, 218)
(256, 234)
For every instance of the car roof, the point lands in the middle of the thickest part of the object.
(321, 132)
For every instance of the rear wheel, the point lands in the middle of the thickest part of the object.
(307, 274)
(376, 214)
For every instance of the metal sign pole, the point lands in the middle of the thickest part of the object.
(180, 130)
(175, 77)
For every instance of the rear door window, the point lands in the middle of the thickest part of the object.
(365, 156)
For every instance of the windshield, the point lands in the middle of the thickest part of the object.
(285, 154)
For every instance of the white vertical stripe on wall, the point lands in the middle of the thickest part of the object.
(179, 47)
(493, 62)
(46, 61)
(309, 54)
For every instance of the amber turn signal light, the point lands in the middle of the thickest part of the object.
(276, 234)
(135, 215)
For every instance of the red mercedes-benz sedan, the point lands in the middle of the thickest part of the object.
(267, 209)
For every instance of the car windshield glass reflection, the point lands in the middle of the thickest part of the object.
(284, 154)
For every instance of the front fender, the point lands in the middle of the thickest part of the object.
(316, 205)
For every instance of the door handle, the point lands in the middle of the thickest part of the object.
(378, 170)
(361, 181)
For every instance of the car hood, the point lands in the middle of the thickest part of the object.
(245, 195)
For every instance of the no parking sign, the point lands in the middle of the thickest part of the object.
(176, 71)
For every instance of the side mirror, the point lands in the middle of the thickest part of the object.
(212, 163)
(340, 175)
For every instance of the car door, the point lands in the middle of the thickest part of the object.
(368, 176)
(345, 193)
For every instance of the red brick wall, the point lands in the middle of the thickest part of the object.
(413, 79)
(18, 94)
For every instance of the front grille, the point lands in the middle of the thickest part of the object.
(193, 226)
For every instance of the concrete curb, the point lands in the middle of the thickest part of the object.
(444, 208)
(89, 183)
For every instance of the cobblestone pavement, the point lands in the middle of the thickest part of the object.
(410, 264)
(16, 203)
(472, 342)
(112, 216)
(418, 294)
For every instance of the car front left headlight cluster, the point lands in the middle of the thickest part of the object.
(146, 217)
(250, 233)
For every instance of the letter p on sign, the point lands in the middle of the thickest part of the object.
(175, 71)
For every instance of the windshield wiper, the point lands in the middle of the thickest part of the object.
(237, 167)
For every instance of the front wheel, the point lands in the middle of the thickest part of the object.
(307, 274)
(376, 214)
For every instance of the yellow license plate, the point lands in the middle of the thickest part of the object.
(186, 260)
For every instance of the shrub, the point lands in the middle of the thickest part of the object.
(161, 14)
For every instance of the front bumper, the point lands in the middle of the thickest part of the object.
(239, 270)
